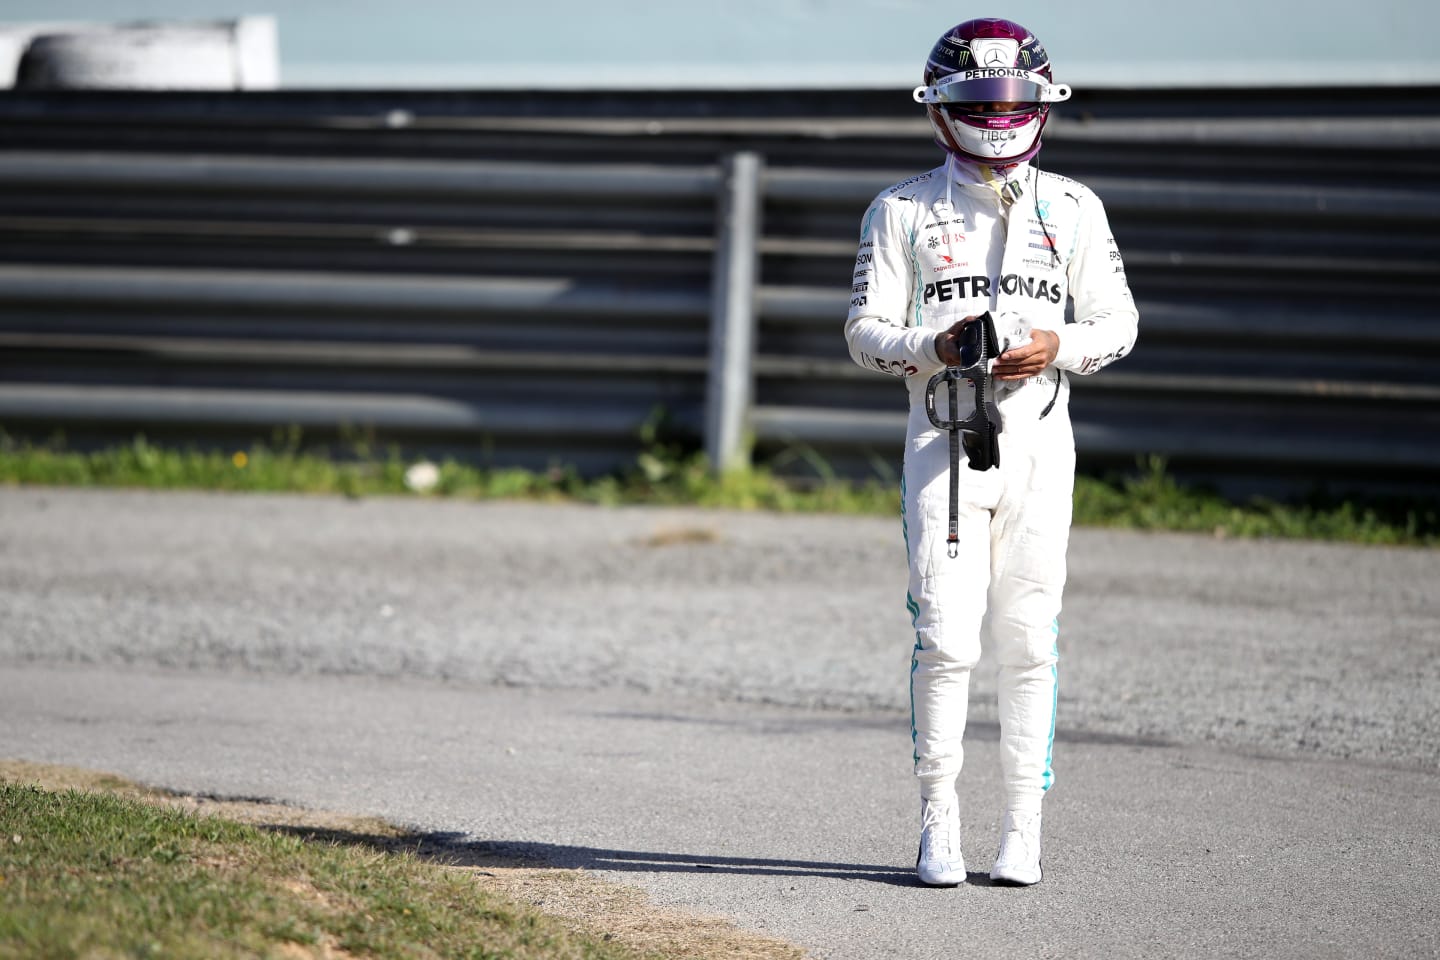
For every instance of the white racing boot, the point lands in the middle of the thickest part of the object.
(1019, 861)
(940, 863)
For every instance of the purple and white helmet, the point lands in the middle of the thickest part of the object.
(983, 62)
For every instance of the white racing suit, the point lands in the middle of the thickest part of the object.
(932, 253)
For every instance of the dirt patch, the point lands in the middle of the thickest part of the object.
(583, 902)
(679, 536)
(625, 915)
(324, 950)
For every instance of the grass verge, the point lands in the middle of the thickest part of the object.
(94, 866)
(1150, 499)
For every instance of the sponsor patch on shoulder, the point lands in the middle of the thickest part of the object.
(919, 178)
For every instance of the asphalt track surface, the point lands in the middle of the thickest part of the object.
(712, 706)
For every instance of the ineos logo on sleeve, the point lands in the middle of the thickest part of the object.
(895, 368)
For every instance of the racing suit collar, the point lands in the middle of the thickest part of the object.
(1007, 181)
(968, 172)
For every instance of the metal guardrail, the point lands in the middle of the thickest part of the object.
(524, 310)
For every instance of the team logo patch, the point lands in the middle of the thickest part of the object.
(994, 51)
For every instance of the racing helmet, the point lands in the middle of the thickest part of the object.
(982, 62)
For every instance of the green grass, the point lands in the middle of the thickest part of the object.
(662, 475)
(95, 875)
(1150, 499)
(1153, 500)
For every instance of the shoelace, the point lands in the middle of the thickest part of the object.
(938, 825)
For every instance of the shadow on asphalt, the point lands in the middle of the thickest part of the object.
(452, 849)
(591, 858)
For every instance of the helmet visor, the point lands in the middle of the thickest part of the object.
(999, 85)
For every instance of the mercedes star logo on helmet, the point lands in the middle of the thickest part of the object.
(994, 51)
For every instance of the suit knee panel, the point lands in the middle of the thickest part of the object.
(1024, 646)
(935, 656)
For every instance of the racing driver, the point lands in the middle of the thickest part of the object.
(987, 231)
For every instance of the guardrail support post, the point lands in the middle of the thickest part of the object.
(732, 311)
